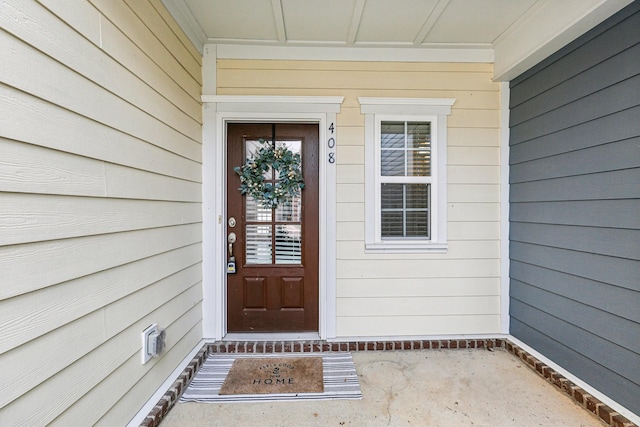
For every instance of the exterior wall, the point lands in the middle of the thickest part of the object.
(575, 203)
(408, 294)
(100, 190)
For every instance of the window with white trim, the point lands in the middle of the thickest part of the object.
(406, 179)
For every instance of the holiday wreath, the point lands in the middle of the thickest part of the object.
(287, 169)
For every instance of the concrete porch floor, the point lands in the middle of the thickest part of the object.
(474, 387)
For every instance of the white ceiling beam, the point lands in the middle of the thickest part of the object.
(278, 17)
(431, 21)
(356, 18)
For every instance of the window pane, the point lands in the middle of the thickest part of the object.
(417, 224)
(288, 244)
(419, 135)
(405, 148)
(258, 244)
(405, 210)
(418, 163)
(417, 196)
(392, 162)
(391, 197)
(392, 224)
(392, 134)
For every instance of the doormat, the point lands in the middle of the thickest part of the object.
(339, 379)
(279, 375)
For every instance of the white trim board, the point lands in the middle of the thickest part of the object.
(220, 110)
(344, 53)
(505, 262)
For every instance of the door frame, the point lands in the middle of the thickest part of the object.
(218, 110)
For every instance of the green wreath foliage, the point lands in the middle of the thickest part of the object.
(288, 172)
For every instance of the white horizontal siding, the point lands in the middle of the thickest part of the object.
(24, 367)
(418, 306)
(420, 287)
(26, 218)
(66, 88)
(100, 206)
(458, 249)
(392, 294)
(29, 119)
(90, 254)
(417, 326)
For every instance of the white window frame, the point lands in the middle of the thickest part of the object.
(435, 111)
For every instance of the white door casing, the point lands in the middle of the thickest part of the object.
(218, 110)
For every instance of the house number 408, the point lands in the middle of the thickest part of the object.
(331, 144)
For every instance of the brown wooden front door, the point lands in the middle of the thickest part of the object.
(275, 287)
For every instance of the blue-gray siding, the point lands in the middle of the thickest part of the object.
(575, 207)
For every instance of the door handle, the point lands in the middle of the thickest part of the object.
(231, 264)
(231, 238)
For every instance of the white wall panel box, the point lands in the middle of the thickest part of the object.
(153, 342)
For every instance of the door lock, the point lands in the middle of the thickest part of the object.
(231, 264)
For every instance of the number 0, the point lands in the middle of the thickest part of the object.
(331, 143)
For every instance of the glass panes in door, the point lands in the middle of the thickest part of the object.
(273, 236)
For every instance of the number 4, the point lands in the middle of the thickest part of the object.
(331, 128)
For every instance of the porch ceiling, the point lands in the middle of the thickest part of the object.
(514, 29)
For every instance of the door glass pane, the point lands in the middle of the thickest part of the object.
(290, 211)
(251, 146)
(258, 244)
(288, 244)
(293, 146)
(256, 212)
(259, 237)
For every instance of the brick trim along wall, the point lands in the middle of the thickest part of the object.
(579, 395)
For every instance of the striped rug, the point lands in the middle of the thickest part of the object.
(340, 380)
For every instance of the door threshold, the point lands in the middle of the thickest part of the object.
(279, 336)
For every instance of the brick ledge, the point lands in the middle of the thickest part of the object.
(598, 409)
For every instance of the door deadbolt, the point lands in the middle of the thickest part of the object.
(232, 222)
